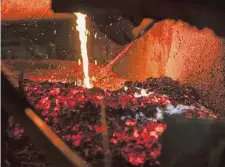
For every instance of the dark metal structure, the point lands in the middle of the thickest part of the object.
(199, 13)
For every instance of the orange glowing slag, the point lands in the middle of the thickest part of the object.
(81, 28)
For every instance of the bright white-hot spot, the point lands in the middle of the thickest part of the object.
(79, 62)
(143, 93)
(81, 28)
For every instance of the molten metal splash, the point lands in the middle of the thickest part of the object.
(81, 28)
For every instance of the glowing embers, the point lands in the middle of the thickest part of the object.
(75, 116)
(134, 130)
(81, 28)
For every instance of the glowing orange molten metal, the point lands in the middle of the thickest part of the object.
(81, 28)
(29, 9)
(17, 9)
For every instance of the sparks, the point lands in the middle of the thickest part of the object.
(81, 28)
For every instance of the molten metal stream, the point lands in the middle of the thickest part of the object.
(81, 28)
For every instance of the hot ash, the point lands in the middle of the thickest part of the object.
(132, 117)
